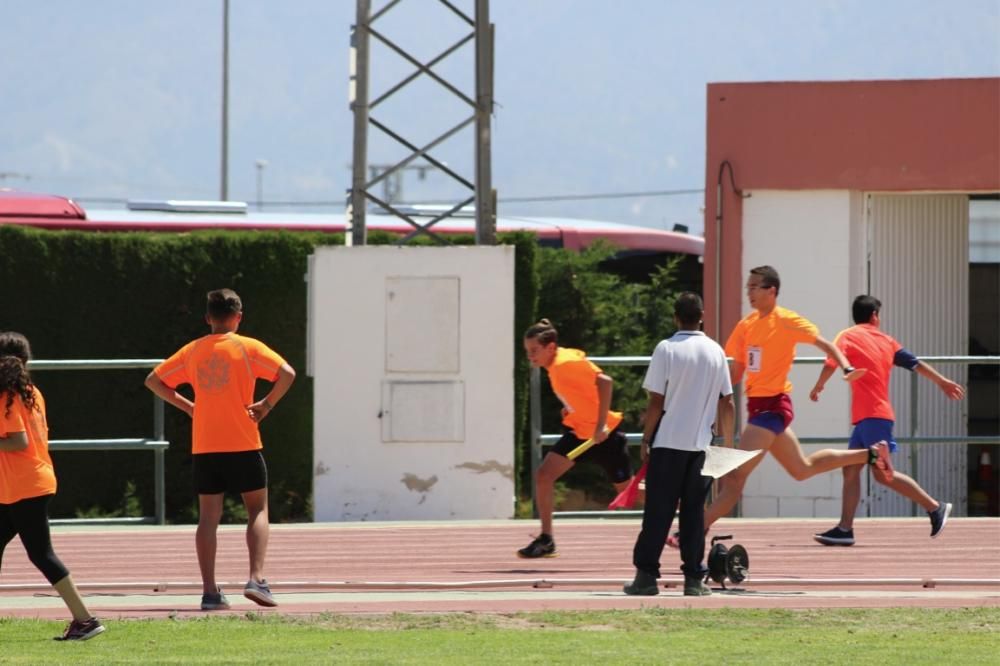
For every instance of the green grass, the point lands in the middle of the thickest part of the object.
(884, 636)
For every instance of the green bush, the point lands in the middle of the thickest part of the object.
(141, 295)
(605, 315)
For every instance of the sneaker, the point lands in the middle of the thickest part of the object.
(836, 537)
(542, 546)
(695, 587)
(216, 601)
(878, 458)
(674, 540)
(644, 585)
(81, 631)
(939, 517)
(259, 593)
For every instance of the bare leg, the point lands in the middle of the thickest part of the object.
(258, 530)
(553, 466)
(209, 515)
(754, 438)
(74, 602)
(852, 495)
(788, 452)
(910, 489)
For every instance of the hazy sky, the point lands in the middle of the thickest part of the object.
(121, 99)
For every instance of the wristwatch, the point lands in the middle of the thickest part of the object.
(849, 369)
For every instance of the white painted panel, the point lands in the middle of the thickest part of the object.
(358, 476)
(423, 411)
(919, 269)
(422, 323)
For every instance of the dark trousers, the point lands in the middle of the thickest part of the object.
(29, 519)
(673, 476)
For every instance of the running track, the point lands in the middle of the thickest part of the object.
(470, 566)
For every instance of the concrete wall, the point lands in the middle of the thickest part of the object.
(411, 350)
(807, 236)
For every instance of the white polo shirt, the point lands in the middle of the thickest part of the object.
(690, 370)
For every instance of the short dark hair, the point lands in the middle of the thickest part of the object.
(689, 308)
(543, 331)
(864, 307)
(768, 277)
(223, 303)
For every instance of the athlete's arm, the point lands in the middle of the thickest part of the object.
(736, 372)
(167, 394)
(654, 409)
(951, 389)
(14, 441)
(824, 376)
(725, 419)
(604, 384)
(263, 407)
(850, 374)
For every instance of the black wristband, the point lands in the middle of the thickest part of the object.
(848, 370)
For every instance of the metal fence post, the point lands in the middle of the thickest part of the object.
(535, 402)
(159, 463)
(914, 428)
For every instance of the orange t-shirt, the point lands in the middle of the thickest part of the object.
(574, 380)
(28, 473)
(766, 347)
(865, 346)
(222, 368)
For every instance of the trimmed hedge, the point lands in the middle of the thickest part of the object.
(141, 295)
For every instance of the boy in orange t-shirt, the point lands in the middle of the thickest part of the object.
(762, 345)
(28, 480)
(223, 367)
(868, 347)
(585, 392)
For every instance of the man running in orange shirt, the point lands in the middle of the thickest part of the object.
(866, 346)
(223, 367)
(763, 346)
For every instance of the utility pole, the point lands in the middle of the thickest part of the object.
(358, 99)
(224, 176)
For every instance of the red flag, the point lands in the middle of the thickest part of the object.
(626, 498)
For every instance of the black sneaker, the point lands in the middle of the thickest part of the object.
(836, 537)
(81, 631)
(939, 517)
(644, 585)
(216, 601)
(695, 587)
(543, 546)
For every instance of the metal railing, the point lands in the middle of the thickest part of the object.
(538, 439)
(158, 444)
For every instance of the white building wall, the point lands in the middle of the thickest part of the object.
(919, 254)
(812, 239)
(411, 350)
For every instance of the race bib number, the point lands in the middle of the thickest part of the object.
(754, 355)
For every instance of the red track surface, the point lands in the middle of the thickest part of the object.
(141, 571)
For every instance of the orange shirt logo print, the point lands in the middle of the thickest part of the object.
(213, 374)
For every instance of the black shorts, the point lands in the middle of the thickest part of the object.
(611, 454)
(238, 472)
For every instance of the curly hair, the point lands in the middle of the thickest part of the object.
(15, 352)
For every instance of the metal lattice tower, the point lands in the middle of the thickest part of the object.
(480, 189)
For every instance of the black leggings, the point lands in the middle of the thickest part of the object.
(29, 518)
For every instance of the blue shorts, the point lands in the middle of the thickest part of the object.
(871, 431)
